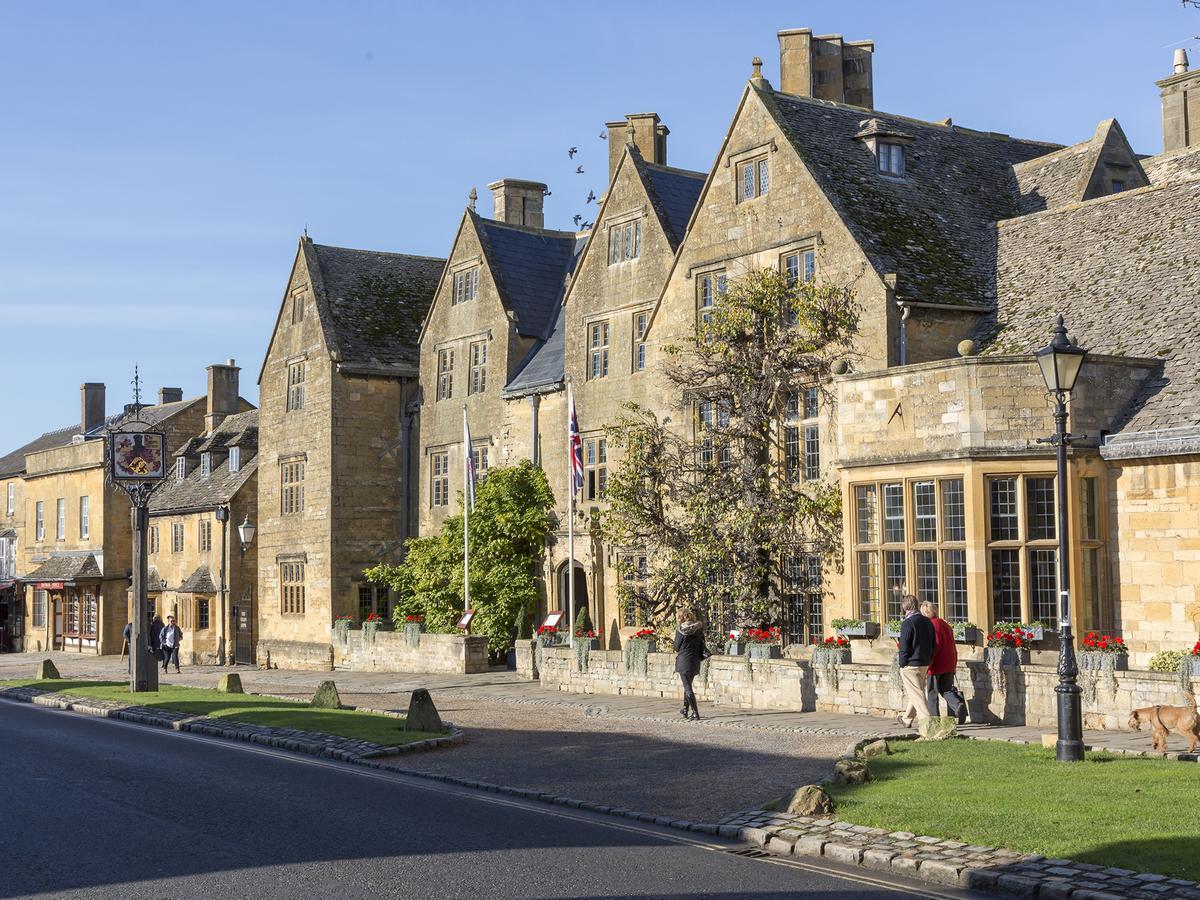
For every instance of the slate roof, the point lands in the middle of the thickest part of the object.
(14, 463)
(530, 266)
(674, 193)
(1173, 166)
(197, 491)
(65, 567)
(154, 581)
(1049, 181)
(1124, 271)
(542, 369)
(935, 226)
(374, 304)
(199, 582)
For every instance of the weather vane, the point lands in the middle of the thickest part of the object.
(137, 393)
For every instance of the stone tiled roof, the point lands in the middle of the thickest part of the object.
(66, 567)
(674, 193)
(542, 369)
(1049, 181)
(934, 227)
(1124, 271)
(14, 463)
(531, 267)
(1173, 166)
(199, 582)
(198, 491)
(374, 304)
(154, 581)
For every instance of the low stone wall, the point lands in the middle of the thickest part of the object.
(294, 655)
(526, 652)
(390, 651)
(1023, 696)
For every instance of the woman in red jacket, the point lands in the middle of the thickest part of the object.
(942, 667)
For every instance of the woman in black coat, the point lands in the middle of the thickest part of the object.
(689, 651)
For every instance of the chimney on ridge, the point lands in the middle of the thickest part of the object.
(649, 136)
(1180, 105)
(518, 202)
(222, 394)
(826, 67)
(91, 406)
(169, 395)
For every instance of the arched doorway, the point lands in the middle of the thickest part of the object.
(564, 592)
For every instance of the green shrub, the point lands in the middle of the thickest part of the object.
(1166, 661)
(583, 622)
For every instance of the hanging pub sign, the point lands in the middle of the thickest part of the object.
(137, 456)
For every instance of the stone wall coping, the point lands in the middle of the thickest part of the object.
(997, 359)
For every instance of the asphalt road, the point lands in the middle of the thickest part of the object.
(93, 808)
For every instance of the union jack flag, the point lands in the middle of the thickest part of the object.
(575, 446)
(468, 465)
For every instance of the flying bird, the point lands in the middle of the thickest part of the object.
(547, 192)
(604, 135)
(591, 196)
(571, 151)
(586, 225)
(579, 170)
(576, 219)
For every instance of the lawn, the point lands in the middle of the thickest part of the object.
(1133, 813)
(249, 708)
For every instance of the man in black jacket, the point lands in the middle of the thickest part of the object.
(917, 639)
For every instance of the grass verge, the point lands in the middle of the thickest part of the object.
(249, 708)
(1110, 810)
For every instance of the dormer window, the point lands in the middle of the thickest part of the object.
(180, 469)
(205, 465)
(891, 158)
(1117, 185)
(235, 459)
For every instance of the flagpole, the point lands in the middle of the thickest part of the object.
(466, 511)
(570, 516)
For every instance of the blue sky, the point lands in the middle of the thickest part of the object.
(159, 161)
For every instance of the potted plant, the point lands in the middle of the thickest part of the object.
(853, 628)
(341, 627)
(762, 643)
(1007, 646)
(370, 625)
(832, 650)
(1192, 660)
(414, 625)
(585, 633)
(736, 645)
(1100, 654)
(892, 628)
(1034, 631)
(638, 648)
(965, 632)
(646, 636)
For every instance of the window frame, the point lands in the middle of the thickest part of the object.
(624, 241)
(709, 286)
(178, 536)
(11, 503)
(1027, 577)
(599, 342)
(204, 535)
(465, 287)
(891, 158)
(291, 486)
(235, 459)
(477, 367)
(296, 376)
(595, 467)
(39, 519)
(752, 178)
(640, 325)
(60, 519)
(445, 374)
(85, 518)
(439, 479)
(291, 587)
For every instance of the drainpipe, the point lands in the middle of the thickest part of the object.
(534, 403)
(905, 311)
(406, 424)
(224, 648)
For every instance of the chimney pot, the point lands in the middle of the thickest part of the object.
(826, 67)
(1180, 93)
(519, 202)
(222, 394)
(1181, 61)
(645, 131)
(91, 403)
(169, 395)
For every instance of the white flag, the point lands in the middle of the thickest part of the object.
(468, 465)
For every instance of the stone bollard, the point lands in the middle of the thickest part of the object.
(47, 670)
(422, 714)
(230, 683)
(326, 696)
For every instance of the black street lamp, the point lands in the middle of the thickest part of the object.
(1060, 363)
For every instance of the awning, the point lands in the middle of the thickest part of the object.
(51, 574)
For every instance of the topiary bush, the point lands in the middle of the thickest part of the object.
(583, 622)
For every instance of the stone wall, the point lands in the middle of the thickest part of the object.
(1026, 698)
(390, 652)
(282, 654)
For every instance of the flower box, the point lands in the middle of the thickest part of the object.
(590, 643)
(765, 651)
(1037, 632)
(1007, 656)
(735, 648)
(892, 631)
(1193, 664)
(861, 630)
(967, 634)
(837, 656)
(651, 645)
(1092, 659)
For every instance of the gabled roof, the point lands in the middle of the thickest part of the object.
(66, 567)
(200, 492)
(372, 304)
(1124, 270)
(199, 582)
(14, 463)
(933, 227)
(1072, 174)
(1172, 166)
(674, 193)
(530, 267)
(542, 369)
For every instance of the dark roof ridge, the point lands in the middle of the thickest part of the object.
(381, 252)
(1129, 194)
(676, 169)
(529, 229)
(880, 114)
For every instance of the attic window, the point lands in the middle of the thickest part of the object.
(754, 178)
(624, 242)
(205, 465)
(180, 469)
(235, 459)
(466, 286)
(1117, 185)
(891, 158)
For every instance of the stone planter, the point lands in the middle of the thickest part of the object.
(891, 632)
(1006, 656)
(341, 630)
(838, 656)
(1037, 632)
(412, 633)
(865, 630)
(1118, 662)
(765, 651)
(968, 635)
(590, 643)
(1192, 665)
(735, 648)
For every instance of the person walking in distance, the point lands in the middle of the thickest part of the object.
(169, 640)
(153, 630)
(941, 669)
(916, 653)
(689, 652)
(127, 646)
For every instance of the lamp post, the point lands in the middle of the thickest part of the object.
(246, 533)
(1060, 362)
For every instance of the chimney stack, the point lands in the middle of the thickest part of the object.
(826, 67)
(649, 135)
(91, 403)
(1180, 105)
(169, 395)
(519, 202)
(222, 394)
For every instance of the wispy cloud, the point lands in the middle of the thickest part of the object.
(131, 316)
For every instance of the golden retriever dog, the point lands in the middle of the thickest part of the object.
(1183, 720)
